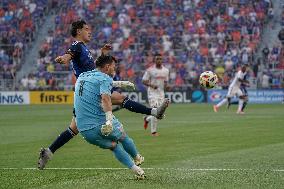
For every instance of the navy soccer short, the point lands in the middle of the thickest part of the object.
(244, 90)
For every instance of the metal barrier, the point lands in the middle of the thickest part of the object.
(7, 84)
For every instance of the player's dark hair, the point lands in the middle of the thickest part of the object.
(104, 59)
(245, 65)
(157, 54)
(77, 25)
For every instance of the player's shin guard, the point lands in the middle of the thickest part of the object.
(122, 156)
(135, 107)
(129, 146)
(62, 139)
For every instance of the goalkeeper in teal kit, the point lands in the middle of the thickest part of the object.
(94, 118)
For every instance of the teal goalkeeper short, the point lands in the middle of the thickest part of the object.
(94, 136)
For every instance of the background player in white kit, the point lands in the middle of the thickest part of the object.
(155, 78)
(234, 89)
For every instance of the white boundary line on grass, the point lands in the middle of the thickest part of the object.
(147, 168)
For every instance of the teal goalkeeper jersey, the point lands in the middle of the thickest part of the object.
(87, 99)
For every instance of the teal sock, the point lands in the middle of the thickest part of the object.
(122, 156)
(129, 146)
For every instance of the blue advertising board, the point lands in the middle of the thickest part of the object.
(255, 96)
(198, 96)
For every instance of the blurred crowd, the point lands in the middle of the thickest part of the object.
(192, 35)
(272, 60)
(19, 20)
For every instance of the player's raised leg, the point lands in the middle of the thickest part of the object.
(227, 99)
(119, 99)
(216, 107)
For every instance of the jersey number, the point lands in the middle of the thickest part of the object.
(81, 88)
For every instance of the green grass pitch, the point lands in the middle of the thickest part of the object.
(197, 148)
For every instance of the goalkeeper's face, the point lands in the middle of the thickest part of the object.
(111, 69)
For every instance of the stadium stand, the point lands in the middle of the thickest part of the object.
(193, 36)
(19, 22)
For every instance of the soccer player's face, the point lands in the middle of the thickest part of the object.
(86, 33)
(244, 68)
(159, 60)
(111, 69)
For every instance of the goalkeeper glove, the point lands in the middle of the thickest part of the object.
(123, 84)
(107, 128)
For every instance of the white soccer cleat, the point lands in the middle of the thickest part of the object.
(44, 155)
(138, 160)
(140, 174)
(161, 109)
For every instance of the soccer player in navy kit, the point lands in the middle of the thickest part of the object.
(82, 61)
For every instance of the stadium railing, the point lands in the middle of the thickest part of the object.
(7, 84)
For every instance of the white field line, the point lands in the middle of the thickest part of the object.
(109, 168)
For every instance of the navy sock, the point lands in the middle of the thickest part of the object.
(62, 139)
(244, 105)
(135, 107)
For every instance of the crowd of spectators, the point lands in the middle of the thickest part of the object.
(19, 20)
(193, 36)
(272, 64)
(272, 61)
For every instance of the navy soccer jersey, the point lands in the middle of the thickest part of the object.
(82, 59)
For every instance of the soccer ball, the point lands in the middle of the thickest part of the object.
(208, 79)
